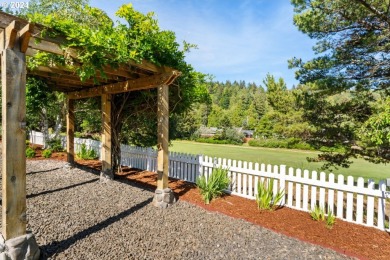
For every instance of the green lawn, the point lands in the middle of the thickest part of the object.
(291, 158)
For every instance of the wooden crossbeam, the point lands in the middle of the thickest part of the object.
(25, 35)
(36, 32)
(129, 85)
(11, 32)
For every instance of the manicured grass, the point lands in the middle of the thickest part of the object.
(291, 158)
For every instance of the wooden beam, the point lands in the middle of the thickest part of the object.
(147, 65)
(2, 42)
(67, 80)
(25, 35)
(10, 34)
(6, 19)
(70, 130)
(50, 47)
(163, 137)
(130, 85)
(13, 80)
(63, 72)
(106, 135)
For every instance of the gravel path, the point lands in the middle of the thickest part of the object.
(74, 216)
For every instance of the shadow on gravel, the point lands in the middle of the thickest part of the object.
(91, 169)
(147, 180)
(56, 247)
(60, 189)
(30, 173)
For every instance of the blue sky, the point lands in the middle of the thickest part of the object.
(237, 39)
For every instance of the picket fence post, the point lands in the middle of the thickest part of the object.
(381, 206)
(149, 159)
(282, 184)
(200, 166)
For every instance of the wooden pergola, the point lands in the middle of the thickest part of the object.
(19, 39)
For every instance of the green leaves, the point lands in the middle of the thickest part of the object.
(377, 128)
(353, 41)
(86, 154)
(214, 185)
(266, 199)
(318, 214)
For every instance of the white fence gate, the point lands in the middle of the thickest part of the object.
(353, 200)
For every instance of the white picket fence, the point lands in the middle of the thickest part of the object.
(353, 200)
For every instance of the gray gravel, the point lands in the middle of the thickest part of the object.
(74, 216)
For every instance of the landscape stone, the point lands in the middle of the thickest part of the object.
(21, 247)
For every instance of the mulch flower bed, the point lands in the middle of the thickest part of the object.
(347, 238)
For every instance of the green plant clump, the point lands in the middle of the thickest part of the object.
(55, 145)
(47, 153)
(289, 143)
(213, 186)
(87, 154)
(331, 219)
(216, 141)
(30, 152)
(265, 198)
(318, 214)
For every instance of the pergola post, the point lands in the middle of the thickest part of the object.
(17, 243)
(106, 173)
(163, 195)
(70, 130)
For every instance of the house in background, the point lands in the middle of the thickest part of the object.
(208, 132)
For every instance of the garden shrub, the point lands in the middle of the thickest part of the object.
(213, 187)
(334, 149)
(265, 198)
(318, 214)
(233, 135)
(216, 141)
(55, 145)
(87, 154)
(290, 143)
(47, 153)
(30, 152)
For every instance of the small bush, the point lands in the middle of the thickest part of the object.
(265, 198)
(47, 153)
(215, 141)
(87, 154)
(27, 142)
(55, 145)
(290, 143)
(269, 143)
(335, 149)
(317, 213)
(331, 219)
(214, 186)
(303, 146)
(30, 153)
